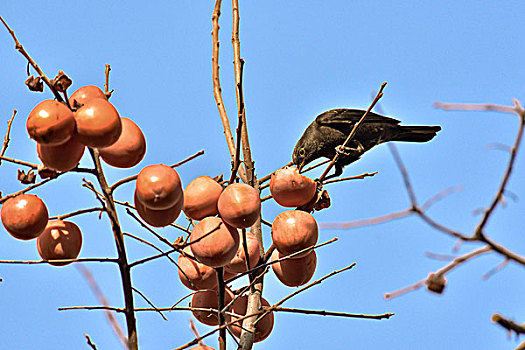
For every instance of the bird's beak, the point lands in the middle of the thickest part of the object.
(301, 166)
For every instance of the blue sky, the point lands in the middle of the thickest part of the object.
(302, 58)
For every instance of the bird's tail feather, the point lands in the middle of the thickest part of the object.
(416, 133)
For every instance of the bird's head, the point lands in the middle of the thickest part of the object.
(304, 152)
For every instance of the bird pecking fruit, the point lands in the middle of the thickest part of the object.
(291, 189)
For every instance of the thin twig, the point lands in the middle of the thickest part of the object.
(154, 257)
(404, 174)
(239, 131)
(441, 272)
(196, 340)
(159, 237)
(496, 269)
(194, 330)
(314, 283)
(33, 262)
(478, 232)
(366, 222)
(107, 92)
(332, 313)
(21, 49)
(19, 162)
(357, 177)
(508, 324)
(439, 196)
(90, 343)
(474, 107)
(134, 177)
(77, 212)
(149, 302)
(6, 137)
(27, 189)
(299, 291)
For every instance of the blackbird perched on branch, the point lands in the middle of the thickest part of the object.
(325, 136)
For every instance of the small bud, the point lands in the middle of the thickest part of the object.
(61, 82)
(28, 178)
(35, 84)
(436, 283)
(46, 173)
(323, 201)
(179, 242)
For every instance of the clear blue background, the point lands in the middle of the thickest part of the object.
(302, 58)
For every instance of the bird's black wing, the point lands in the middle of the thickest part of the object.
(350, 116)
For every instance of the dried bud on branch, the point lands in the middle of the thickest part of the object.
(436, 283)
(28, 178)
(35, 84)
(61, 82)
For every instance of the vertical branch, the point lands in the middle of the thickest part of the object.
(217, 91)
(404, 174)
(237, 160)
(478, 232)
(238, 63)
(254, 298)
(123, 264)
(220, 306)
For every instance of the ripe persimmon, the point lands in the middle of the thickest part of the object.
(24, 216)
(51, 123)
(239, 205)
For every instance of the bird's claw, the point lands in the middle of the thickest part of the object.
(348, 151)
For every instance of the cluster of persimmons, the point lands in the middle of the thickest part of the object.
(218, 210)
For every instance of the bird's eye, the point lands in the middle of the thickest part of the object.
(302, 152)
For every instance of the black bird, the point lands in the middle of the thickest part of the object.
(325, 136)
